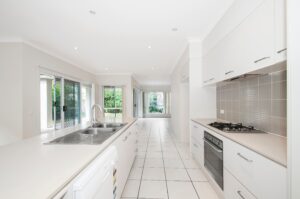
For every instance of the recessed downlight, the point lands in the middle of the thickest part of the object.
(149, 47)
(92, 12)
(106, 69)
(75, 47)
(152, 68)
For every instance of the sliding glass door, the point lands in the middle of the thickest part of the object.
(60, 103)
(71, 106)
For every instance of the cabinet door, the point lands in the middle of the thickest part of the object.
(233, 189)
(261, 176)
(211, 64)
(250, 46)
(280, 30)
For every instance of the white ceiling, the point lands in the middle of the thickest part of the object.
(116, 38)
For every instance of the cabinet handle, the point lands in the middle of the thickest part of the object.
(228, 72)
(248, 160)
(240, 194)
(195, 127)
(261, 59)
(195, 145)
(125, 138)
(211, 79)
(280, 51)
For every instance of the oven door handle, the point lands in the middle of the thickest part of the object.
(215, 148)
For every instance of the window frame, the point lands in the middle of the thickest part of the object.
(44, 71)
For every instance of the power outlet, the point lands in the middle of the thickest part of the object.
(222, 111)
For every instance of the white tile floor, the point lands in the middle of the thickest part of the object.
(164, 168)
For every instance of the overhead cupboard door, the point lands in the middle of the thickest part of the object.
(250, 45)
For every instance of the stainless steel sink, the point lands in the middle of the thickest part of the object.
(93, 135)
(108, 125)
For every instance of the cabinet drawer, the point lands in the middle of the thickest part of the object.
(233, 189)
(197, 132)
(264, 178)
(197, 151)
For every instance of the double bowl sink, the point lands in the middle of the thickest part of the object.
(96, 134)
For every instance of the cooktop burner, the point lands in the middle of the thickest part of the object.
(232, 127)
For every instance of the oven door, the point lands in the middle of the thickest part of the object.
(213, 161)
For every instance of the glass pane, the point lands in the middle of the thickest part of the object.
(86, 103)
(71, 103)
(46, 103)
(113, 103)
(56, 101)
(156, 102)
(109, 97)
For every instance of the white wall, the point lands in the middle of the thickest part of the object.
(11, 92)
(189, 98)
(180, 97)
(118, 80)
(293, 78)
(22, 64)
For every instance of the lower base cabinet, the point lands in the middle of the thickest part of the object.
(233, 189)
(126, 147)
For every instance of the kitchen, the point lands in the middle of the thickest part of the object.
(199, 103)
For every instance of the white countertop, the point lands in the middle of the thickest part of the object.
(30, 169)
(268, 145)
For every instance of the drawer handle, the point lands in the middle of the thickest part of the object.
(195, 145)
(125, 138)
(259, 60)
(240, 194)
(280, 51)
(248, 160)
(195, 127)
(228, 72)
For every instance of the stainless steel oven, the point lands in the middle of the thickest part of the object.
(213, 157)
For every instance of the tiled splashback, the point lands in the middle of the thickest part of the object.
(259, 101)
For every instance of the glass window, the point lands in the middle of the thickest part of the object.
(86, 103)
(156, 102)
(113, 103)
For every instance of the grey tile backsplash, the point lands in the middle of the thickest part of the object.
(259, 101)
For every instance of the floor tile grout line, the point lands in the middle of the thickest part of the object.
(186, 168)
(162, 153)
(148, 138)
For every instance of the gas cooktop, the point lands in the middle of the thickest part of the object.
(234, 127)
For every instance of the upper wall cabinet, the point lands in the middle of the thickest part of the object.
(280, 30)
(258, 41)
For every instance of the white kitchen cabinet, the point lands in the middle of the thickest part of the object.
(233, 189)
(261, 176)
(126, 147)
(258, 41)
(251, 45)
(280, 30)
(211, 65)
(197, 145)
